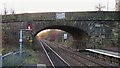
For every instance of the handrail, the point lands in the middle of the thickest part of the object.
(11, 53)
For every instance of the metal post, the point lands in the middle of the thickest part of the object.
(20, 40)
(0, 60)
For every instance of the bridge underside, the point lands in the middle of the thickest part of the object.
(80, 37)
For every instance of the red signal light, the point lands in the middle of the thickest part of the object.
(29, 27)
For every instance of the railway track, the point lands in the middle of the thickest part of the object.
(82, 61)
(85, 61)
(54, 58)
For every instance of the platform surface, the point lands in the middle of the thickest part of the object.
(105, 52)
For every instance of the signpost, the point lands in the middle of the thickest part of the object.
(65, 37)
(20, 40)
(60, 15)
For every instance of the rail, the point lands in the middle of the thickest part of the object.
(49, 52)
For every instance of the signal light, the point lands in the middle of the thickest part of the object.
(29, 27)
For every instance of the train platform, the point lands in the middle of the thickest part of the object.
(105, 52)
(114, 49)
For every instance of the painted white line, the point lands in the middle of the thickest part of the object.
(57, 54)
(47, 54)
(41, 66)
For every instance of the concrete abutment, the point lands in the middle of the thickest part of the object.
(79, 44)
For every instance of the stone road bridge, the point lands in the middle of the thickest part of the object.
(81, 25)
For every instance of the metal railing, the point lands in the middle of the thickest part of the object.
(13, 59)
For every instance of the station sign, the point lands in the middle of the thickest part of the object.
(65, 36)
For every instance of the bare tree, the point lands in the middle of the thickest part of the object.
(99, 7)
(5, 11)
(12, 11)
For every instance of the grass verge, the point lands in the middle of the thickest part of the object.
(31, 56)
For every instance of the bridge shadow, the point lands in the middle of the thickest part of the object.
(80, 37)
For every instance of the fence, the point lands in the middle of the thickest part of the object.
(13, 59)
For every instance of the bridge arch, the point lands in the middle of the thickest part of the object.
(76, 33)
(79, 36)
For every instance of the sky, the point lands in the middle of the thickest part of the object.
(31, 6)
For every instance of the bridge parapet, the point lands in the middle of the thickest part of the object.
(94, 15)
